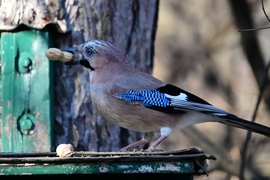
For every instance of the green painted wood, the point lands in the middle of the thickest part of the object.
(26, 92)
(182, 164)
(97, 168)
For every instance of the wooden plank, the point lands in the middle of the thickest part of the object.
(180, 164)
(174, 166)
(27, 92)
(186, 166)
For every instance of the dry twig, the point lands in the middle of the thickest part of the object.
(261, 28)
(248, 137)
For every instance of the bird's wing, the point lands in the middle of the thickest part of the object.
(171, 99)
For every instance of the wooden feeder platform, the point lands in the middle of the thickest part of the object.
(187, 162)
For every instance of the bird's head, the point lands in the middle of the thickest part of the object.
(94, 54)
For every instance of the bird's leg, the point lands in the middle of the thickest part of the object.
(147, 137)
(133, 145)
(156, 143)
(164, 133)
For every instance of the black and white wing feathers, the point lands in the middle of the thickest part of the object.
(181, 100)
(173, 100)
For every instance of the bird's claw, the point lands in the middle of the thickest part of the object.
(153, 150)
(140, 150)
(131, 150)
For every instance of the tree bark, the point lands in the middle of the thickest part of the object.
(129, 24)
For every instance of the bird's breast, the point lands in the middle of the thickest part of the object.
(129, 115)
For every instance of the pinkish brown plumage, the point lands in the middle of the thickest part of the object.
(140, 102)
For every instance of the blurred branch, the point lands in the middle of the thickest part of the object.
(261, 28)
(264, 11)
(224, 162)
(249, 41)
(248, 137)
(254, 56)
(255, 29)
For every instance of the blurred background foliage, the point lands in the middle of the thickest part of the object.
(198, 48)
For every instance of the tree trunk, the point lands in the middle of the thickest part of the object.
(129, 24)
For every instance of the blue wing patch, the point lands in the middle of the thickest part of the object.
(147, 98)
(171, 99)
(153, 99)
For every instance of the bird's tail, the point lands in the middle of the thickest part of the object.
(244, 124)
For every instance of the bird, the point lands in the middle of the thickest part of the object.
(140, 102)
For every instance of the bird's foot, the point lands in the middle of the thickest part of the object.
(153, 150)
(131, 147)
(124, 149)
(131, 150)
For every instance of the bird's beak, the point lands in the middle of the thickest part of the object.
(76, 54)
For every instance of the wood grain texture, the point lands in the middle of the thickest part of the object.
(129, 24)
(27, 99)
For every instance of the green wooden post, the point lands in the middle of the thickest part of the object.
(26, 91)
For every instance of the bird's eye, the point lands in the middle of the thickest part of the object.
(89, 51)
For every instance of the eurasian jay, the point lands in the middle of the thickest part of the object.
(137, 101)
